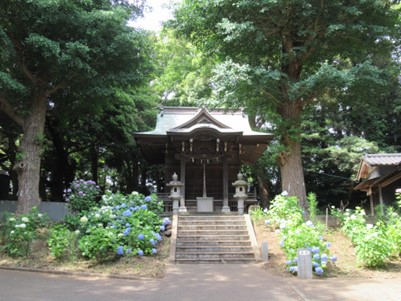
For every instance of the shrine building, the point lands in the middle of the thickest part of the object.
(205, 149)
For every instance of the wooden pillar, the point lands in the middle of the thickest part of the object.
(372, 206)
(225, 208)
(182, 178)
(381, 200)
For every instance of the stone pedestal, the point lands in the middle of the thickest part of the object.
(204, 204)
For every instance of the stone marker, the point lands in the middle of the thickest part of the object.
(304, 264)
(265, 251)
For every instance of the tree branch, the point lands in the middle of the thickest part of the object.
(10, 112)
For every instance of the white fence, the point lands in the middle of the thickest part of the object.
(55, 210)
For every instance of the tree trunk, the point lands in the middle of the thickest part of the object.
(28, 165)
(290, 161)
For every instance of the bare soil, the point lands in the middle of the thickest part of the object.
(345, 267)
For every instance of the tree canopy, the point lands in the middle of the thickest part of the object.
(70, 54)
(283, 56)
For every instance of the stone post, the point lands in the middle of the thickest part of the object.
(175, 195)
(240, 192)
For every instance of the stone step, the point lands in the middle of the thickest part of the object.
(211, 222)
(200, 255)
(210, 217)
(215, 260)
(212, 243)
(198, 237)
(208, 249)
(211, 232)
(227, 227)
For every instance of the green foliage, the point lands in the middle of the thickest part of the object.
(374, 244)
(63, 243)
(82, 196)
(286, 215)
(312, 205)
(122, 225)
(18, 232)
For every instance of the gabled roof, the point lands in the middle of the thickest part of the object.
(370, 161)
(173, 122)
(184, 119)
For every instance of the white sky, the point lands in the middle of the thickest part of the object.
(154, 17)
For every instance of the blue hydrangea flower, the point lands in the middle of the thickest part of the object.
(123, 205)
(319, 271)
(158, 237)
(152, 241)
(282, 243)
(136, 208)
(128, 251)
(144, 207)
(324, 257)
(316, 256)
(154, 251)
(141, 236)
(127, 225)
(166, 221)
(127, 213)
(288, 262)
(267, 222)
(333, 258)
(294, 269)
(148, 198)
(315, 250)
(127, 231)
(162, 228)
(120, 250)
(140, 252)
(328, 244)
(315, 264)
(295, 260)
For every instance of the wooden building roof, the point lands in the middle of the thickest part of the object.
(186, 122)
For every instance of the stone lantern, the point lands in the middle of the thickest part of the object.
(240, 192)
(175, 195)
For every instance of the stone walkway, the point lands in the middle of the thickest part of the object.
(199, 282)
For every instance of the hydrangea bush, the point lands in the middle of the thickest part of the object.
(122, 225)
(18, 232)
(286, 216)
(82, 196)
(374, 243)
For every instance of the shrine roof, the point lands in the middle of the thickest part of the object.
(181, 120)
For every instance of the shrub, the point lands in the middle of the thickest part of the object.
(18, 232)
(286, 215)
(122, 225)
(82, 196)
(63, 242)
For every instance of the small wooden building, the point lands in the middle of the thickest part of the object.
(205, 148)
(380, 176)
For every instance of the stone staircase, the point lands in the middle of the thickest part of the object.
(212, 238)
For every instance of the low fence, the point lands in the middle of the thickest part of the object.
(55, 210)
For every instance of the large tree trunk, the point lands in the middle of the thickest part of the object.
(28, 165)
(290, 161)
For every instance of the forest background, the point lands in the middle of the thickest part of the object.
(76, 80)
